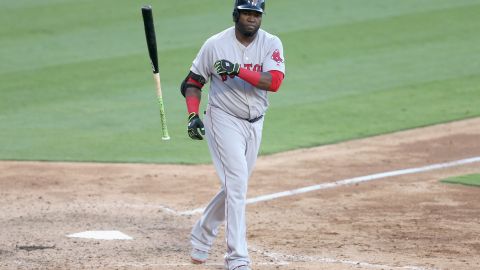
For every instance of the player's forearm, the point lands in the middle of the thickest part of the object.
(262, 80)
(265, 81)
(192, 98)
(192, 91)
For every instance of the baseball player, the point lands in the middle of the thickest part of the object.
(243, 63)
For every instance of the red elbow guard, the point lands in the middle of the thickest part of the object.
(195, 83)
(277, 79)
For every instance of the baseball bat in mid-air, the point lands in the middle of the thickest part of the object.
(152, 51)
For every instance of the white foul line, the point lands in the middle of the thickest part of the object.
(363, 179)
(349, 181)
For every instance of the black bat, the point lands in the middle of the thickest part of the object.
(152, 51)
(150, 35)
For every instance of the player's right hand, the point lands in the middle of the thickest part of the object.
(194, 125)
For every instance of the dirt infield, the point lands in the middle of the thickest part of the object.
(406, 221)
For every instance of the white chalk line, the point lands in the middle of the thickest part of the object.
(283, 259)
(344, 182)
(132, 264)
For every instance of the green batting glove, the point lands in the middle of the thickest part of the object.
(223, 67)
(195, 125)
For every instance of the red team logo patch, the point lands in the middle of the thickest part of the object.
(276, 57)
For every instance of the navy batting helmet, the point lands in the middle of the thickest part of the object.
(255, 5)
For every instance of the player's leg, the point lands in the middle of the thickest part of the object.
(253, 144)
(205, 229)
(228, 140)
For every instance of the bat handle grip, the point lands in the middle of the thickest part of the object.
(163, 118)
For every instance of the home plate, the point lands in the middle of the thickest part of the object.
(101, 235)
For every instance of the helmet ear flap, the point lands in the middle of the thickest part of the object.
(236, 15)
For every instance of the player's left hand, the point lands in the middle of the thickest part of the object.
(195, 124)
(226, 67)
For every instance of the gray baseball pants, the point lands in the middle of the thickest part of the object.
(234, 144)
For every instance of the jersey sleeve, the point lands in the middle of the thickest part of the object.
(202, 63)
(274, 59)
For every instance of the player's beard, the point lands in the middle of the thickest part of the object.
(246, 31)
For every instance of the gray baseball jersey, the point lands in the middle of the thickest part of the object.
(233, 140)
(235, 96)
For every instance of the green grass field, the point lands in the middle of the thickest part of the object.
(468, 180)
(76, 84)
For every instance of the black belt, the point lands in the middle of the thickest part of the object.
(249, 120)
(254, 119)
